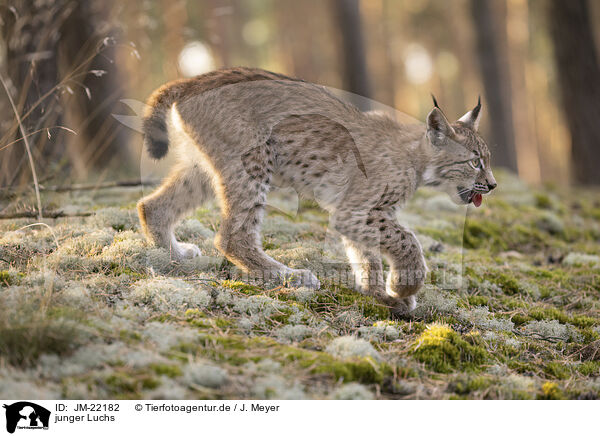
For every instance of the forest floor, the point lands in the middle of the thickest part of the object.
(511, 309)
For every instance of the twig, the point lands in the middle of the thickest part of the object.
(90, 186)
(38, 131)
(27, 147)
(47, 214)
(44, 225)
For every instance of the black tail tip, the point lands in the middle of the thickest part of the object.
(157, 138)
(157, 148)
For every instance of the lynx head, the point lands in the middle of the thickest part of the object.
(460, 165)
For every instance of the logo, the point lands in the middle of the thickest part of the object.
(26, 415)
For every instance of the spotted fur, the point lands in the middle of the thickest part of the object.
(239, 132)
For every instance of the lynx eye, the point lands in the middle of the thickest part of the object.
(475, 163)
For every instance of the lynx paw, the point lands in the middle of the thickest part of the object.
(185, 251)
(404, 306)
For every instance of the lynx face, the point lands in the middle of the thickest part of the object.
(461, 162)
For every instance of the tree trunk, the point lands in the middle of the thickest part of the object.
(579, 80)
(356, 77)
(100, 139)
(31, 52)
(490, 31)
(46, 41)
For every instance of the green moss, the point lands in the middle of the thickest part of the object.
(238, 350)
(444, 350)
(216, 322)
(510, 303)
(549, 313)
(170, 371)
(119, 270)
(543, 201)
(508, 283)
(464, 385)
(589, 335)
(165, 317)
(594, 213)
(336, 297)
(557, 370)
(222, 323)
(119, 382)
(194, 313)
(6, 278)
(280, 317)
(128, 336)
(232, 349)
(362, 370)
(478, 300)
(526, 368)
(589, 369)
(551, 391)
(29, 332)
(480, 234)
(441, 235)
(520, 319)
(242, 287)
(123, 385)
(267, 245)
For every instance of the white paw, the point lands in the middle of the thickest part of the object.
(186, 251)
(405, 305)
(301, 277)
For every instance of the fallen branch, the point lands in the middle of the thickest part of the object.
(93, 186)
(88, 186)
(47, 214)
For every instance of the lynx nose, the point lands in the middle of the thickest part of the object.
(492, 185)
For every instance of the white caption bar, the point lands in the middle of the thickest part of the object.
(263, 417)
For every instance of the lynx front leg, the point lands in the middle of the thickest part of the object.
(376, 232)
(366, 265)
(185, 188)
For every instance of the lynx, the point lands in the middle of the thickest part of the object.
(238, 132)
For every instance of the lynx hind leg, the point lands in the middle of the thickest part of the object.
(184, 189)
(244, 195)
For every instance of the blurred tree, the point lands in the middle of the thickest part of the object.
(31, 37)
(579, 80)
(220, 23)
(490, 27)
(88, 42)
(51, 47)
(356, 77)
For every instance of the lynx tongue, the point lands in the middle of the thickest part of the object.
(477, 199)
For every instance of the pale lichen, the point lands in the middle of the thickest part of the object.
(349, 346)
(210, 376)
(352, 391)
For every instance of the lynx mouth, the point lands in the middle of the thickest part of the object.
(471, 196)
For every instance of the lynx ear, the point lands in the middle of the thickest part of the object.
(438, 127)
(471, 118)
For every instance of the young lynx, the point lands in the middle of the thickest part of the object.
(238, 132)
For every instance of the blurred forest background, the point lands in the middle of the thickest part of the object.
(68, 64)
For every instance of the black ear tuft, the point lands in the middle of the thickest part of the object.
(471, 118)
(435, 103)
(476, 109)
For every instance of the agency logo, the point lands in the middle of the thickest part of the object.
(26, 415)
